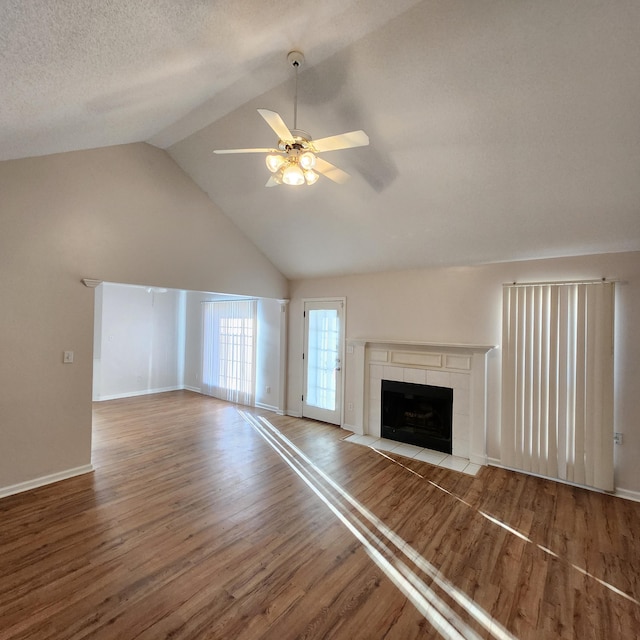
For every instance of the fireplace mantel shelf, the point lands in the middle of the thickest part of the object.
(480, 348)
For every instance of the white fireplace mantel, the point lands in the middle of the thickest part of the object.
(461, 367)
(453, 346)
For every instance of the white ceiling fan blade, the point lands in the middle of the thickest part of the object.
(341, 141)
(272, 182)
(330, 171)
(247, 151)
(277, 124)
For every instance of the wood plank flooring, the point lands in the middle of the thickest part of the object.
(201, 521)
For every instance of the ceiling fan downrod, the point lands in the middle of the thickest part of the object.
(296, 60)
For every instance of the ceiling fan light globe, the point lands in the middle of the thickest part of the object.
(274, 162)
(293, 175)
(307, 160)
(311, 177)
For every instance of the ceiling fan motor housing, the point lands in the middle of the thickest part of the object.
(301, 141)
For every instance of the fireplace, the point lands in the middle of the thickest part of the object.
(418, 414)
(459, 367)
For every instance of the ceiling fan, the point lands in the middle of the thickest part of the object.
(295, 160)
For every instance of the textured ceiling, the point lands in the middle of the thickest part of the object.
(500, 130)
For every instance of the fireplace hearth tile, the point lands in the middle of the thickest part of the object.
(455, 463)
(430, 456)
(407, 450)
(386, 445)
(436, 458)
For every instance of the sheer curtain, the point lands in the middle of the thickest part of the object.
(229, 350)
(557, 381)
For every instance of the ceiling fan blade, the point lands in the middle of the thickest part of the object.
(341, 141)
(330, 171)
(272, 182)
(277, 124)
(247, 151)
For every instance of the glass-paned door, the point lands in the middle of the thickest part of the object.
(323, 331)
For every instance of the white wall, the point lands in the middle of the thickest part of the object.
(141, 341)
(268, 354)
(463, 305)
(150, 341)
(193, 339)
(123, 214)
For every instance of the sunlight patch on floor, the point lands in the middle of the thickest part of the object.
(513, 531)
(388, 550)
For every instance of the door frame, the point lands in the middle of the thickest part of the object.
(343, 324)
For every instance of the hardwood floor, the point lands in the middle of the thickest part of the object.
(201, 521)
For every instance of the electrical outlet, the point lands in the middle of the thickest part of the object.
(350, 406)
(268, 389)
(617, 438)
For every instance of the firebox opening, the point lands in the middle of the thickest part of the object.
(417, 414)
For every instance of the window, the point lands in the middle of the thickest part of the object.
(229, 350)
(322, 357)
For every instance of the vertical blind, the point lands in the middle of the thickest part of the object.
(229, 350)
(557, 381)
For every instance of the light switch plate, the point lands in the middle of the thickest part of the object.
(67, 357)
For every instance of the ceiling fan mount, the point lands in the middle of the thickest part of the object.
(295, 161)
(296, 59)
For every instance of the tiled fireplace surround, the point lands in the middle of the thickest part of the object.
(461, 367)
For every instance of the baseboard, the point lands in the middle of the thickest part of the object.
(352, 428)
(144, 392)
(294, 414)
(483, 461)
(194, 389)
(627, 494)
(268, 407)
(44, 480)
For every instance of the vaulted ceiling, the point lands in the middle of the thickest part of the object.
(500, 130)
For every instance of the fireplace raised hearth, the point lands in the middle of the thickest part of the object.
(417, 414)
